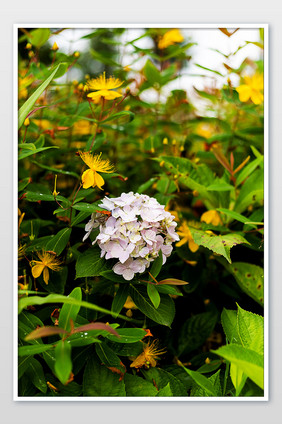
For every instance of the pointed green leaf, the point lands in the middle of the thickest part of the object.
(59, 241)
(250, 279)
(69, 311)
(249, 361)
(153, 295)
(63, 364)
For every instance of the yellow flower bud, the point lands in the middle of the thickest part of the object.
(153, 150)
(26, 122)
(80, 86)
(28, 46)
(173, 142)
(87, 76)
(55, 47)
(162, 163)
(30, 54)
(165, 141)
(76, 54)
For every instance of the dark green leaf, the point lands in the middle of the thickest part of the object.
(59, 241)
(68, 311)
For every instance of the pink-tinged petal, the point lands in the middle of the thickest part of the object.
(128, 274)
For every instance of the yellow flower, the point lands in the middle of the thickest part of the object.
(252, 89)
(169, 38)
(24, 82)
(47, 260)
(211, 217)
(104, 86)
(90, 177)
(149, 355)
(82, 127)
(186, 237)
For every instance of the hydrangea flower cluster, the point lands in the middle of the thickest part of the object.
(134, 232)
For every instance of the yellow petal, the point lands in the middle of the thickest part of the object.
(37, 270)
(46, 275)
(211, 217)
(88, 178)
(110, 95)
(181, 242)
(98, 180)
(95, 95)
(244, 92)
(193, 246)
(257, 97)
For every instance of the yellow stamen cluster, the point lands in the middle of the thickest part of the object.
(90, 177)
(47, 261)
(148, 357)
(104, 86)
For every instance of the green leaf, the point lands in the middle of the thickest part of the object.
(251, 192)
(162, 378)
(27, 106)
(165, 391)
(63, 364)
(69, 311)
(98, 380)
(152, 73)
(127, 335)
(90, 263)
(33, 349)
(86, 207)
(107, 356)
(120, 298)
(238, 378)
(229, 324)
(137, 386)
(36, 374)
(24, 153)
(205, 385)
(249, 361)
(157, 266)
(24, 302)
(123, 114)
(195, 331)
(220, 187)
(247, 170)
(236, 215)
(153, 295)
(203, 382)
(250, 328)
(208, 69)
(32, 196)
(163, 315)
(218, 244)
(250, 279)
(39, 36)
(59, 241)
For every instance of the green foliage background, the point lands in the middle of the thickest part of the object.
(193, 161)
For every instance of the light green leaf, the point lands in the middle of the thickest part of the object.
(39, 36)
(27, 106)
(249, 361)
(218, 244)
(63, 364)
(250, 327)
